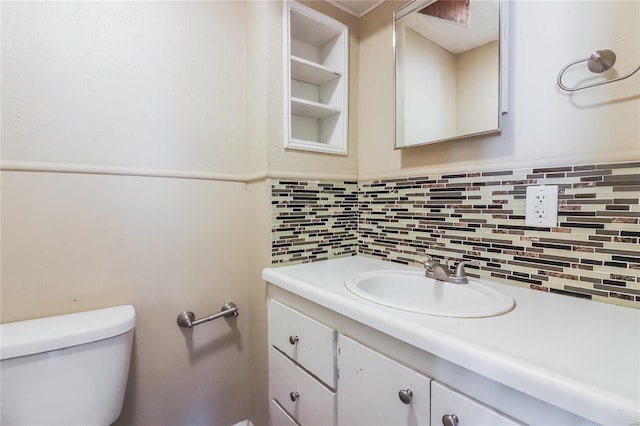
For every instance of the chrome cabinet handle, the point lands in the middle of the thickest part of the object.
(293, 339)
(293, 396)
(405, 396)
(450, 420)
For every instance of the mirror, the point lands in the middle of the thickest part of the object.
(448, 56)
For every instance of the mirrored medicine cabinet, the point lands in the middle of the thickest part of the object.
(450, 70)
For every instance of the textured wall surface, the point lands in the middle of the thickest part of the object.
(127, 86)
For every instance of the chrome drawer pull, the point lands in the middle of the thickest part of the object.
(293, 339)
(405, 396)
(450, 420)
(294, 396)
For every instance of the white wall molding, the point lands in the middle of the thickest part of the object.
(43, 167)
(90, 169)
(38, 167)
(312, 176)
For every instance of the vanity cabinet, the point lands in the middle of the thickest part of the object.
(326, 369)
(302, 367)
(316, 52)
(321, 377)
(376, 390)
(496, 370)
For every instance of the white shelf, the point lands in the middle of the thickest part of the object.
(312, 28)
(310, 72)
(305, 108)
(316, 53)
(315, 146)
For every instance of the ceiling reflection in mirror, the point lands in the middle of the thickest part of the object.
(447, 70)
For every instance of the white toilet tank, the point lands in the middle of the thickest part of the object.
(66, 370)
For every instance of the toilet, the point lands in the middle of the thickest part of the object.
(67, 369)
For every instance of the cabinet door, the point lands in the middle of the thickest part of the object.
(369, 386)
(467, 412)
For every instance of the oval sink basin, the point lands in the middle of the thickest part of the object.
(412, 291)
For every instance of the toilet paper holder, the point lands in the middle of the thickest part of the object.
(187, 319)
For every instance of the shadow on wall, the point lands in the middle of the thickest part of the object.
(131, 393)
(464, 150)
(197, 353)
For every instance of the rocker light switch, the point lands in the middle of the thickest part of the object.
(542, 206)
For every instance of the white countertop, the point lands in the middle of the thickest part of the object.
(579, 355)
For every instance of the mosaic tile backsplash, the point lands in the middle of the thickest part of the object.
(313, 220)
(594, 252)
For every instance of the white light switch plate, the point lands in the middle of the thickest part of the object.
(542, 206)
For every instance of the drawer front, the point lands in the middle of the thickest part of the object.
(445, 401)
(314, 403)
(370, 385)
(279, 417)
(305, 340)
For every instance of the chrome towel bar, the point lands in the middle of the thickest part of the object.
(187, 319)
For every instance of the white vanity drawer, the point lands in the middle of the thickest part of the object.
(305, 340)
(279, 417)
(370, 386)
(445, 401)
(307, 400)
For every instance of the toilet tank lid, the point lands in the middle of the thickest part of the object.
(30, 337)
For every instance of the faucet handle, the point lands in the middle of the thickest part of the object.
(428, 266)
(459, 276)
(460, 268)
(428, 263)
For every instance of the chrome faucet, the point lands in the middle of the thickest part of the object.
(440, 272)
(436, 270)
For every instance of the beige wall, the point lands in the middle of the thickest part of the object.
(430, 79)
(544, 126)
(77, 242)
(153, 88)
(264, 118)
(477, 97)
(126, 85)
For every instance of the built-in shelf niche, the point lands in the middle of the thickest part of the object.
(316, 52)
